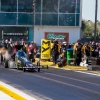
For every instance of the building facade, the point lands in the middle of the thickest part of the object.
(50, 19)
(16, 19)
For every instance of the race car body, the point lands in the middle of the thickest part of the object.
(20, 60)
(23, 62)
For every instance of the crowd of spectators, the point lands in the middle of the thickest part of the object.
(12, 47)
(80, 51)
(58, 50)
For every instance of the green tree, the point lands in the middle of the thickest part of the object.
(83, 25)
(98, 29)
(87, 28)
(98, 22)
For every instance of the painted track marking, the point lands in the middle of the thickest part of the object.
(14, 93)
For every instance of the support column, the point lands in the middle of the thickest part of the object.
(95, 25)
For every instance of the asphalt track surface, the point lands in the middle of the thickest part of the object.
(53, 84)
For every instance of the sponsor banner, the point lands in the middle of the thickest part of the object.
(14, 34)
(57, 36)
(45, 49)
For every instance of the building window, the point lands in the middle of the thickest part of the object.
(67, 20)
(8, 5)
(37, 19)
(8, 18)
(38, 6)
(78, 6)
(25, 19)
(25, 5)
(50, 19)
(67, 6)
(50, 6)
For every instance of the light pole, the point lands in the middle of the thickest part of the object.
(33, 5)
(95, 25)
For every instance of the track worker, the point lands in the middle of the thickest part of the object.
(87, 51)
(78, 47)
(55, 51)
(93, 45)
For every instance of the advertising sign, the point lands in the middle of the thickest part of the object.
(45, 49)
(12, 34)
(57, 36)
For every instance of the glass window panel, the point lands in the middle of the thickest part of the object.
(25, 5)
(9, 5)
(50, 6)
(67, 20)
(67, 6)
(37, 19)
(8, 18)
(25, 19)
(77, 19)
(38, 6)
(49, 19)
(78, 6)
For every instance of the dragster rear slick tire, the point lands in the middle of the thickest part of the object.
(37, 69)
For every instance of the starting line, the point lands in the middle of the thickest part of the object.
(9, 93)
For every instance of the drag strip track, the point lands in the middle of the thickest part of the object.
(54, 84)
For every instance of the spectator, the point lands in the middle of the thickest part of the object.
(11, 41)
(6, 44)
(3, 43)
(22, 42)
(93, 54)
(11, 49)
(63, 48)
(31, 51)
(97, 50)
(86, 49)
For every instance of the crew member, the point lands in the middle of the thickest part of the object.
(55, 51)
(87, 49)
(93, 54)
(78, 52)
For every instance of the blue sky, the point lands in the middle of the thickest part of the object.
(88, 10)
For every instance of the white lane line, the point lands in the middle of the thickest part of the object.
(87, 73)
(4, 96)
(67, 84)
(17, 91)
(72, 78)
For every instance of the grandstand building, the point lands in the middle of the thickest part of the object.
(50, 19)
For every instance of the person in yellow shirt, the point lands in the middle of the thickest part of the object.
(52, 44)
(59, 48)
(87, 51)
(78, 48)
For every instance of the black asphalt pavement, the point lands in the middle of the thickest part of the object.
(53, 84)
